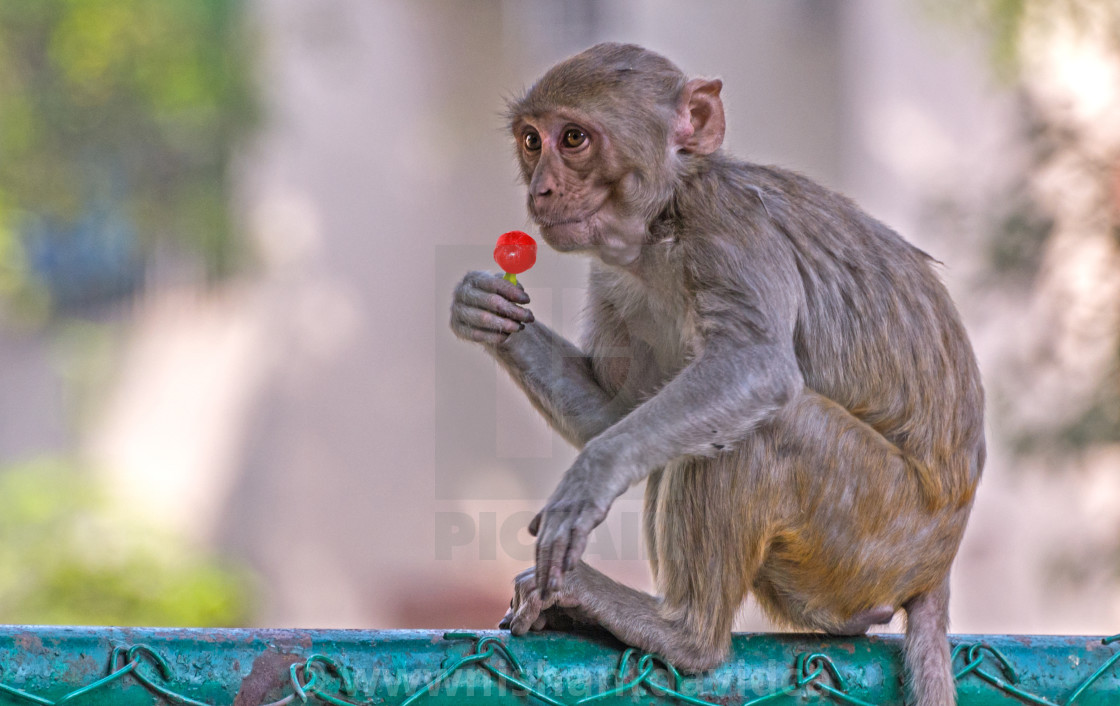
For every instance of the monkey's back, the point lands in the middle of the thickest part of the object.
(876, 330)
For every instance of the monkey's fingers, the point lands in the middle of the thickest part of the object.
(493, 338)
(555, 579)
(543, 557)
(546, 555)
(576, 545)
(486, 321)
(539, 624)
(495, 303)
(526, 614)
(552, 548)
(492, 282)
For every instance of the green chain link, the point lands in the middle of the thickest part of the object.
(320, 679)
(320, 667)
(130, 656)
(975, 655)
(484, 649)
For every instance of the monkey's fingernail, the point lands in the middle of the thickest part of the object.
(520, 327)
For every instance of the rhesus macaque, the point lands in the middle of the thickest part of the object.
(787, 374)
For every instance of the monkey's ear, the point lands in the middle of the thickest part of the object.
(700, 124)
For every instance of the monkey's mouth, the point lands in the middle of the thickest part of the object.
(556, 222)
(558, 219)
(553, 222)
(567, 234)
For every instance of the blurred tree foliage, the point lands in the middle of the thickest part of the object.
(1068, 192)
(117, 124)
(1008, 22)
(69, 558)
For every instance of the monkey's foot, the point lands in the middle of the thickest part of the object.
(528, 611)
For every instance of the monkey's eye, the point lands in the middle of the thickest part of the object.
(574, 137)
(532, 141)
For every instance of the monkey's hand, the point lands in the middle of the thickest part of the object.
(529, 611)
(485, 308)
(576, 507)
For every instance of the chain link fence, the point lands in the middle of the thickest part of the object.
(197, 667)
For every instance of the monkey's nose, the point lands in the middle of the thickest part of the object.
(543, 199)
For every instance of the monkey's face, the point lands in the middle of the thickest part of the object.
(577, 193)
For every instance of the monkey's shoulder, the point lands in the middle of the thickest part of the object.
(781, 196)
(725, 176)
(766, 207)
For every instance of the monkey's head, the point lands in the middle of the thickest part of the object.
(602, 139)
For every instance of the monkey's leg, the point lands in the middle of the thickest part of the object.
(695, 526)
(588, 597)
(857, 538)
(558, 379)
(562, 382)
(704, 546)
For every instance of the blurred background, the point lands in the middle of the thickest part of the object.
(229, 232)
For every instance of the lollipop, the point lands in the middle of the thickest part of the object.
(515, 253)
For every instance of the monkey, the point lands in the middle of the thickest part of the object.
(787, 374)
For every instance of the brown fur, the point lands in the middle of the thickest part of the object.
(787, 371)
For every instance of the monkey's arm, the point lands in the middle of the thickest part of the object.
(557, 377)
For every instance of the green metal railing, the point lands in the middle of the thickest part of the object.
(207, 667)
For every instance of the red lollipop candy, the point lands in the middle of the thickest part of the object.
(515, 253)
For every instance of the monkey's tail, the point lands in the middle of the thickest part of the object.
(928, 663)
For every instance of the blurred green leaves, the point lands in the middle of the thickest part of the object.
(129, 105)
(1007, 23)
(118, 124)
(68, 557)
(1060, 204)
